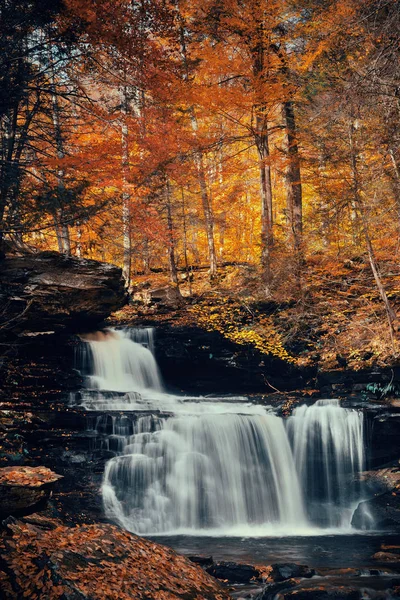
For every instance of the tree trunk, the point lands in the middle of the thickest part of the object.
(63, 227)
(262, 144)
(126, 199)
(57, 230)
(171, 240)
(185, 253)
(293, 180)
(208, 214)
(261, 137)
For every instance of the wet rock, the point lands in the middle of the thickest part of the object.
(386, 557)
(382, 480)
(49, 291)
(388, 553)
(233, 572)
(204, 561)
(381, 512)
(23, 488)
(96, 561)
(281, 572)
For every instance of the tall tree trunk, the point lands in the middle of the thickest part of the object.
(57, 230)
(261, 137)
(185, 245)
(262, 144)
(78, 239)
(126, 198)
(294, 201)
(63, 227)
(171, 238)
(208, 213)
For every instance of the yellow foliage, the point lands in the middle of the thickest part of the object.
(260, 333)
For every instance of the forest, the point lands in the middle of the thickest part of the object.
(199, 299)
(166, 136)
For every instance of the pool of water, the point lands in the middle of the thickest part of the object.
(319, 552)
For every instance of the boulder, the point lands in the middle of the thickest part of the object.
(281, 572)
(23, 488)
(386, 479)
(49, 291)
(95, 562)
(203, 561)
(233, 572)
(381, 512)
(168, 296)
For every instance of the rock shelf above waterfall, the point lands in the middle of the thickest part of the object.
(49, 291)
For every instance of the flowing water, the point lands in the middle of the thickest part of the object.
(214, 466)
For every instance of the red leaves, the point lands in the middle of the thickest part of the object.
(27, 476)
(100, 561)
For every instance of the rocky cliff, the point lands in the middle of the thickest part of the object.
(49, 291)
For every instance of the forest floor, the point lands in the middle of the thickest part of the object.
(335, 320)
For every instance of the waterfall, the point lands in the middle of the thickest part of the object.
(214, 465)
(120, 371)
(328, 445)
(204, 472)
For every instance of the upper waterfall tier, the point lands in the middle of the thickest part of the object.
(120, 368)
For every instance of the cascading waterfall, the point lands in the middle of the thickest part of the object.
(204, 472)
(328, 445)
(120, 371)
(196, 465)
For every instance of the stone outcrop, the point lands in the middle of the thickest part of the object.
(23, 488)
(168, 296)
(45, 559)
(205, 362)
(382, 511)
(49, 291)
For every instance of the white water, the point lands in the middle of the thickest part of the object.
(215, 465)
(328, 446)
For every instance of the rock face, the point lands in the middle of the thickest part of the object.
(95, 562)
(385, 439)
(383, 510)
(204, 362)
(23, 488)
(49, 291)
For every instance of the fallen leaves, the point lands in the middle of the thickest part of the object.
(100, 562)
(27, 476)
